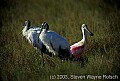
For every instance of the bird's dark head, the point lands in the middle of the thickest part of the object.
(27, 23)
(45, 26)
(84, 27)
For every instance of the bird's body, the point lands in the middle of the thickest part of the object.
(78, 48)
(31, 34)
(55, 43)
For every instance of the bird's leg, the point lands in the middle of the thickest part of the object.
(43, 59)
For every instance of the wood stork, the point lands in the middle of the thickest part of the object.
(54, 42)
(31, 34)
(79, 47)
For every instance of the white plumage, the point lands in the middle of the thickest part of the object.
(54, 42)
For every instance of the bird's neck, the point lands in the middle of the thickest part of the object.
(25, 29)
(44, 31)
(84, 35)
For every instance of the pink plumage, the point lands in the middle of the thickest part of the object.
(76, 50)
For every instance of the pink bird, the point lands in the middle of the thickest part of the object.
(78, 48)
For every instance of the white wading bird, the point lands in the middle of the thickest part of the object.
(79, 47)
(54, 42)
(31, 34)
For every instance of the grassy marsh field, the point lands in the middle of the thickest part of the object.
(19, 61)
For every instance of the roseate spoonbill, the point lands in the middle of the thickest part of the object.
(79, 47)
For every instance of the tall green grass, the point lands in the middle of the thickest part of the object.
(19, 61)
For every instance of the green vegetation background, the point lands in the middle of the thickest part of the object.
(19, 61)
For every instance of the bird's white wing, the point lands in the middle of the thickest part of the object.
(37, 42)
(34, 29)
(56, 40)
(31, 37)
(80, 43)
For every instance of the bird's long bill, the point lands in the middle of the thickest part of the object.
(90, 33)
